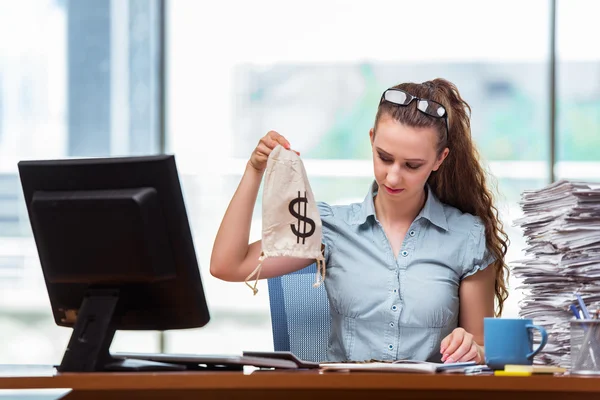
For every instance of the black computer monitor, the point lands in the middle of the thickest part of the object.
(116, 251)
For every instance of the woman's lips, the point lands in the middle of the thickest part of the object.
(393, 191)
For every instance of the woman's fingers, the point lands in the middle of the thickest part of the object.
(462, 350)
(454, 341)
(445, 342)
(265, 145)
(459, 346)
(471, 355)
(263, 151)
(259, 157)
(276, 139)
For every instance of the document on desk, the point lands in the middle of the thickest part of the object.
(396, 366)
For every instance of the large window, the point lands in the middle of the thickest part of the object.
(83, 78)
(578, 91)
(77, 79)
(315, 74)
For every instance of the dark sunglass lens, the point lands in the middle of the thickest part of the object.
(395, 96)
(431, 108)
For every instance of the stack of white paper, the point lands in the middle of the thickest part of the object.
(561, 224)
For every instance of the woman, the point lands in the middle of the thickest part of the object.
(412, 270)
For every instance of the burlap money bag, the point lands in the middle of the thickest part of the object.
(291, 225)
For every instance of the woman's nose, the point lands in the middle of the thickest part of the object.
(394, 177)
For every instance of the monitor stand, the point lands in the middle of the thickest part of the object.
(88, 349)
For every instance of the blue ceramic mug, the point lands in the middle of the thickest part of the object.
(510, 341)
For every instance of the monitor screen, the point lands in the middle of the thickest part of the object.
(115, 248)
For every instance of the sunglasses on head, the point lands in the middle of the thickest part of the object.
(428, 107)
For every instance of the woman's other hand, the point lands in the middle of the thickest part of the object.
(459, 346)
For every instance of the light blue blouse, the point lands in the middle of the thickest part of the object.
(385, 308)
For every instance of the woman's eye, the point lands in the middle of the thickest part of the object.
(412, 166)
(384, 159)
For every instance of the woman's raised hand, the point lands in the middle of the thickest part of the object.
(258, 159)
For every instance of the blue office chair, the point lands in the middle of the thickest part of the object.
(300, 316)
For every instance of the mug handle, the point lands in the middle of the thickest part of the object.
(544, 339)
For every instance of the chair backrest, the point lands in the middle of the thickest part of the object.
(300, 316)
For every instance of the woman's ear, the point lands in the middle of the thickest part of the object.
(372, 136)
(441, 159)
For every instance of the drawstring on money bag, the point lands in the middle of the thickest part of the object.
(257, 273)
(318, 280)
(291, 223)
(320, 272)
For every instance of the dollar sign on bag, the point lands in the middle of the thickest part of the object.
(302, 219)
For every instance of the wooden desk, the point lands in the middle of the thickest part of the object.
(306, 385)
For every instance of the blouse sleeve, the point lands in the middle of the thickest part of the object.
(327, 220)
(477, 256)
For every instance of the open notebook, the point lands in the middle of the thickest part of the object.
(396, 366)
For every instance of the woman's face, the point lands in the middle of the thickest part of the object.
(403, 158)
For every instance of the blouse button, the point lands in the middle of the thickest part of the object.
(411, 233)
(391, 347)
(394, 308)
(404, 253)
(392, 324)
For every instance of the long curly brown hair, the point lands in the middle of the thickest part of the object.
(460, 181)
